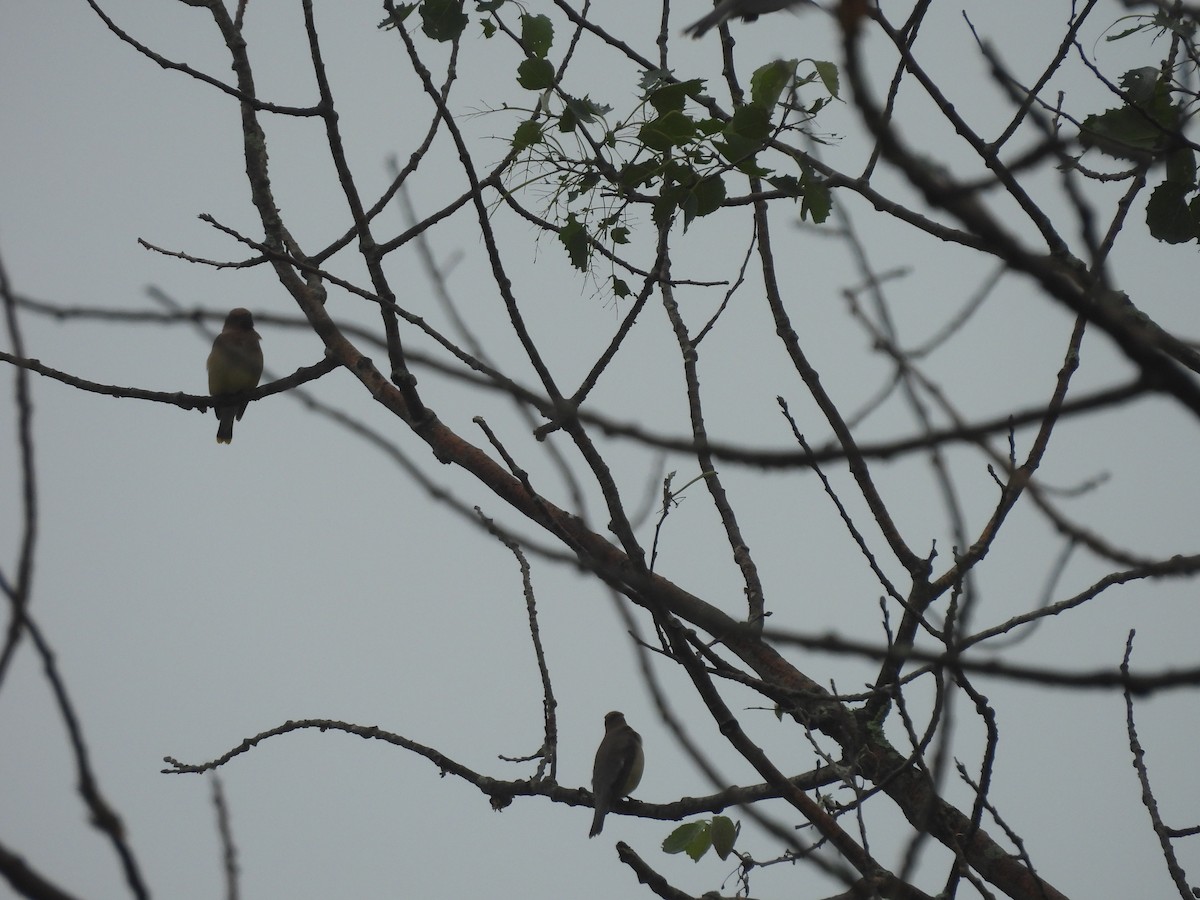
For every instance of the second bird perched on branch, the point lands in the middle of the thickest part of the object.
(234, 367)
(618, 767)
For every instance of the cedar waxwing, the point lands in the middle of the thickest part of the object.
(618, 768)
(234, 366)
(749, 10)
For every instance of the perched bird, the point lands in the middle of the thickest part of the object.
(234, 366)
(749, 10)
(618, 767)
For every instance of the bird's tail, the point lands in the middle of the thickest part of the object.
(225, 429)
(598, 820)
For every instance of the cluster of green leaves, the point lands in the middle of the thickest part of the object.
(687, 149)
(695, 838)
(673, 151)
(1148, 129)
(676, 148)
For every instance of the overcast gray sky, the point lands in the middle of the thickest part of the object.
(196, 595)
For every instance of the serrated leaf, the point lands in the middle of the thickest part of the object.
(1181, 166)
(527, 135)
(537, 35)
(704, 198)
(737, 149)
(818, 199)
(788, 185)
(443, 20)
(584, 109)
(1140, 84)
(750, 122)
(829, 75)
(635, 175)
(751, 168)
(652, 79)
(1133, 131)
(535, 74)
(567, 121)
(678, 170)
(769, 82)
(398, 15)
(1124, 34)
(673, 97)
(673, 129)
(1168, 215)
(664, 206)
(583, 185)
(573, 236)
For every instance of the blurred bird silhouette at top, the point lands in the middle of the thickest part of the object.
(749, 10)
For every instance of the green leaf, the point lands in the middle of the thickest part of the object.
(590, 109)
(829, 75)
(704, 198)
(699, 845)
(620, 288)
(568, 121)
(1145, 125)
(443, 20)
(752, 122)
(635, 175)
(743, 136)
(674, 129)
(401, 12)
(1140, 84)
(583, 186)
(620, 235)
(1194, 211)
(1124, 133)
(581, 110)
(673, 97)
(677, 170)
(527, 135)
(652, 79)
(788, 185)
(1168, 215)
(737, 149)
(1181, 166)
(684, 838)
(574, 238)
(724, 835)
(535, 74)
(769, 82)
(1126, 33)
(664, 206)
(537, 34)
(818, 200)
